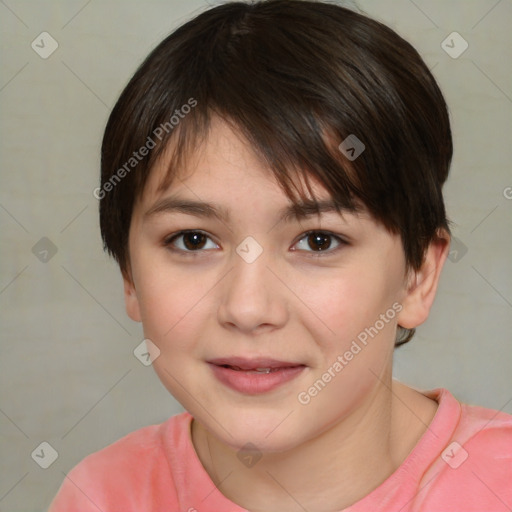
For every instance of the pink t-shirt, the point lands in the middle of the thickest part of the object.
(462, 463)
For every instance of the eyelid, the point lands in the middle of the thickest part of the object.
(169, 239)
(314, 254)
(167, 242)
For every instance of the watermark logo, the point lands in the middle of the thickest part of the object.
(454, 455)
(44, 45)
(351, 147)
(305, 397)
(249, 250)
(44, 455)
(44, 250)
(454, 45)
(146, 352)
(249, 455)
(457, 250)
(137, 156)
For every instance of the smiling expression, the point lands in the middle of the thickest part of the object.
(254, 303)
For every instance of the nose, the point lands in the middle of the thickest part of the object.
(253, 299)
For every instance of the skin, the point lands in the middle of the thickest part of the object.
(289, 304)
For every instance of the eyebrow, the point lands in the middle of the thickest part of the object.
(202, 209)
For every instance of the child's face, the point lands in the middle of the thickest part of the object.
(292, 304)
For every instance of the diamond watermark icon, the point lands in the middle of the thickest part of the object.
(351, 147)
(45, 455)
(44, 250)
(457, 250)
(44, 45)
(454, 45)
(454, 455)
(249, 455)
(249, 250)
(146, 352)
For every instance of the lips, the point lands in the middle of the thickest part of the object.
(254, 376)
(259, 364)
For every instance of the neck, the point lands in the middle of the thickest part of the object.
(334, 469)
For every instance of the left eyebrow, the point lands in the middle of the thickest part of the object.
(202, 209)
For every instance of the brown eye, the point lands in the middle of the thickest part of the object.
(194, 241)
(188, 241)
(320, 241)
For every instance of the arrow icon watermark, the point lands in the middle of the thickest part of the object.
(352, 147)
(45, 455)
(249, 455)
(44, 250)
(44, 45)
(249, 250)
(146, 352)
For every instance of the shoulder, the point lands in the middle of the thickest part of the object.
(127, 474)
(474, 469)
(486, 434)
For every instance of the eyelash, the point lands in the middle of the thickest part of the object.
(315, 254)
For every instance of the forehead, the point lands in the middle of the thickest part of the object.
(223, 177)
(219, 163)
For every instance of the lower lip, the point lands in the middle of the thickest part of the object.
(254, 383)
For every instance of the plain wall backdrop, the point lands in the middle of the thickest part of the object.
(68, 373)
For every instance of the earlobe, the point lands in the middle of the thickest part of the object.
(130, 298)
(422, 285)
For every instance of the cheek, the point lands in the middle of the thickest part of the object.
(169, 302)
(348, 303)
(356, 349)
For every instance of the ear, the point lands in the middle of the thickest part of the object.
(422, 284)
(130, 297)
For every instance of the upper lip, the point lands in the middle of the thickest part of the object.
(253, 363)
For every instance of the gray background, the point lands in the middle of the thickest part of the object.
(68, 373)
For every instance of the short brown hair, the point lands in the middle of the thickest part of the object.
(296, 78)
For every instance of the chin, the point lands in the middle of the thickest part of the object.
(265, 430)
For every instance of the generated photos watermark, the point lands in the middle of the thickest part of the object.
(137, 156)
(305, 397)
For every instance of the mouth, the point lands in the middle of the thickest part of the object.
(255, 370)
(254, 376)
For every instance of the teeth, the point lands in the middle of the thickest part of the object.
(259, 370)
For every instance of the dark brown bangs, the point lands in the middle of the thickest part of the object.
(296, 79)
(290, 168)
